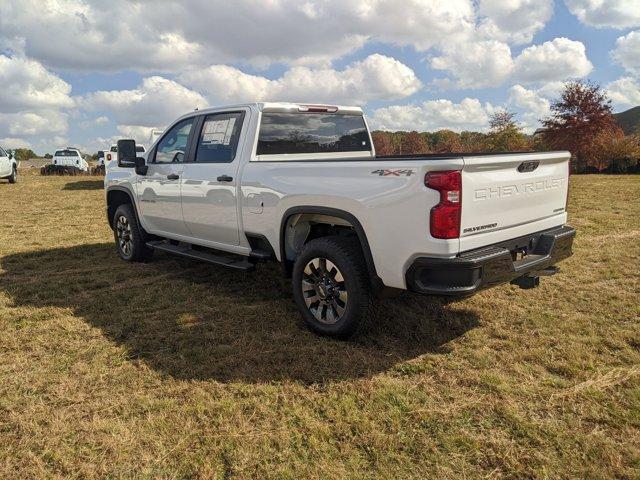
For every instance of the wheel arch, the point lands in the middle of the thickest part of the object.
(349, 220)
(117, 196)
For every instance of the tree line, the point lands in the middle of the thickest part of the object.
(581, 121)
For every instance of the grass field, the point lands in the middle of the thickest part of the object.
(174, 369)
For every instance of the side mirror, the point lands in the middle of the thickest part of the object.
(141, 166)
(127, 153)
(10, 154)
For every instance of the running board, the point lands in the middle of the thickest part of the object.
(186, 251)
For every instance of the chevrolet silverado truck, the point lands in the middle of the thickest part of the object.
(302, 185)
(8, 166)
(69, 159)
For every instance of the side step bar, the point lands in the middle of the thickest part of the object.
(186, 251)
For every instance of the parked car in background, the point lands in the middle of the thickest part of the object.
(67, 161)
(302, 185)
(112, 154)
(70, 157)
(99, 169)
(8, 166)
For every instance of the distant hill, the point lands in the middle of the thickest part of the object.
(629, 121)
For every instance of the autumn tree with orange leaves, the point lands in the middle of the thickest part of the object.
(578, 118)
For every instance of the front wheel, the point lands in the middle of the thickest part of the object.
(129, 238)
(331, 286)
(14, 175)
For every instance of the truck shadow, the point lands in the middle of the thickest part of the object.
(85, 185)
(195, 321)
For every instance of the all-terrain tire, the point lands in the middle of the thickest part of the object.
(330, 306)
(129, 237)
(13, 178)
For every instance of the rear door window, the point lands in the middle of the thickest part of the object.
(219, 138)
(290, 133)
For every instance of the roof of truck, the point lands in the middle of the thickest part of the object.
(288, 107)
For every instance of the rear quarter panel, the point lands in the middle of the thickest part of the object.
(393, 208)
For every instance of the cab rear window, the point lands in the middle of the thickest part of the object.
(66, 153)
(290, 133)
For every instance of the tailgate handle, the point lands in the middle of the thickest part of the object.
(225, 178)
(528, 166)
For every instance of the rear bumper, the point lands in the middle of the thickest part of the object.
(487, 267)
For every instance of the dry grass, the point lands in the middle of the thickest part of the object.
(179, 370)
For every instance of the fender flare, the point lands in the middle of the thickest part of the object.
(334, 212)
(127, 191)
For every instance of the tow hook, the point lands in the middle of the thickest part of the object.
(532, 281)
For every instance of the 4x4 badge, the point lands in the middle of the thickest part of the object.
(393, 173)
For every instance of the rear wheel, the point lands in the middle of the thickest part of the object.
(130, 239)
(14, 175)
(331, 286)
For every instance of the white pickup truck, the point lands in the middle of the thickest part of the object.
(112, 155)
(8, 166)
(302, 185)
(70, 158)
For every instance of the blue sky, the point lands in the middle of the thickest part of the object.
(105, 70)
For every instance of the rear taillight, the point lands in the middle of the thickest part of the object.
(108, 156)
(445, 217)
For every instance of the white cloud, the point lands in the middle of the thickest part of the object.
(11, 143)
(535, 103)
(33, 101)
(478, 64)
(173, 35)
(490, 64)
(30, 124)
(514, 21)
(139, 133)
(606, 13)
(627, 52)
(624, 92)
(156, 101)
(26, 84)
(558, 59)
(93, 122)
(376, 77)
(530, 100)
(433, 115)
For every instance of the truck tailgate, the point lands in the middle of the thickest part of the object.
(506, 192)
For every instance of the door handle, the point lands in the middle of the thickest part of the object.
(225, 178)
(173, 176)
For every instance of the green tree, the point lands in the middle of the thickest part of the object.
(505, 134)
(23, 154)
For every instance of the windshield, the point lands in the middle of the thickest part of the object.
(282, 133)
(67, 153)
